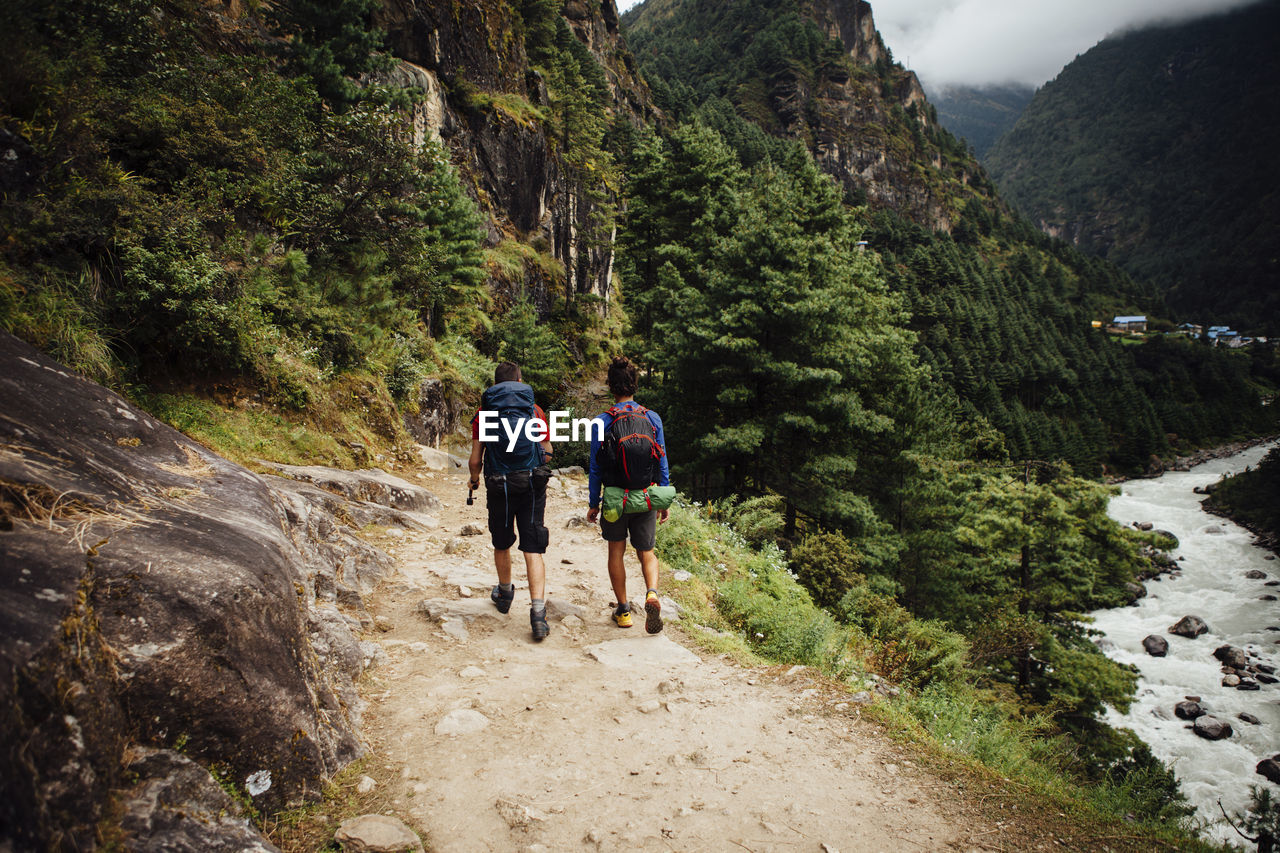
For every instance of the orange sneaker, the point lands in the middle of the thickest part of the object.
(652, 614)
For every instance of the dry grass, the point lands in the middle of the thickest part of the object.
(311, 828)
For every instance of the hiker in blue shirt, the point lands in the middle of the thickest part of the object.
(632, 454)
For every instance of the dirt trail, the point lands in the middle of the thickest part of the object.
(602, 738)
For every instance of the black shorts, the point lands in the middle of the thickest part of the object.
(642, 526)
(517, 502)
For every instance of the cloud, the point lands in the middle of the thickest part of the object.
(978, 42)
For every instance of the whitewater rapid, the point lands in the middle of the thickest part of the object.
(1212, 586)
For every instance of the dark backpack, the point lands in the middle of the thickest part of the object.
(631, 449)
(513, 401)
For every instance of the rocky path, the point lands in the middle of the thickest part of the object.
(602, 738)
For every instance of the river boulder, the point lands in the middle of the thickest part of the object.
(1232, 656)
(1249, 718)
(1188, 710)
(1255, 575)
(1155, 645)
(1189, 626)
(164, 597)
(1211, 728)
(1248, 684)
(1270, 768)
(1135, 591)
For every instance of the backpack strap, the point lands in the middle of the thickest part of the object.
(616, 410)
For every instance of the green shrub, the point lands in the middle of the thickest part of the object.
(904, 649)
(827, 565)
(757, 520)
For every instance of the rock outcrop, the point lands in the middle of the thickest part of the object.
(865, 119)
(489, 108)
(156, 594)
(176, 805)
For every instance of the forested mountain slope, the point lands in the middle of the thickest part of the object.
(1156, 150)
(1003, 312)
(817, 72)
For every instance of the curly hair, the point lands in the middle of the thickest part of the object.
(623, 377)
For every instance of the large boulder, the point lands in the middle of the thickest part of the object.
(434, 417)
(1270, 768)
(1211, 728)
(156, 593)
(1189, 626)
(1155, 645)
(1232, 656)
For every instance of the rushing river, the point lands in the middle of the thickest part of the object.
(1214, 556)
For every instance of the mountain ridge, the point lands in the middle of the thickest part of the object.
(1153, 149)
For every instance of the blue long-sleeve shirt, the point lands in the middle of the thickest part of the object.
(593, 474)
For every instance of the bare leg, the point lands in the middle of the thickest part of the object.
(649, 568)
(537, 570)
(618, 571)
(502, 561)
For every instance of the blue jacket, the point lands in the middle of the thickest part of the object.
(594, 476)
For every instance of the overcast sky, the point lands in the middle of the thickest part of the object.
(1002, 41)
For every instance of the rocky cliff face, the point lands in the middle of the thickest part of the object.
(155, 594)
(460, 56)
(865, 118)
(869, 130)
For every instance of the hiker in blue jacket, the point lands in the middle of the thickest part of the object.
(632, 454)
(515, 478)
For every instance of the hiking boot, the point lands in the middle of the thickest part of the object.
(538, 622)
(502, 600)
(622, 616)
(652, 614)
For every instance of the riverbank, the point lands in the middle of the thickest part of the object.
(1250, 499)
(1159, 467)
(1262, 536)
